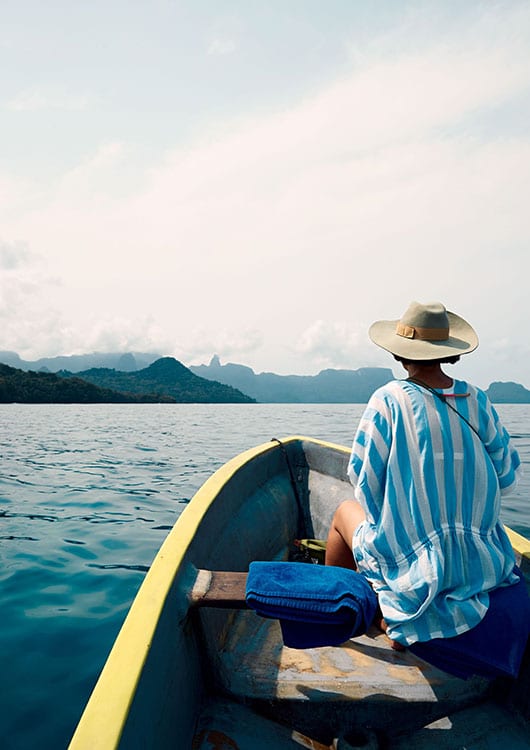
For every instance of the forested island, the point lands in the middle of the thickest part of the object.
(508, 393)
(165, 381)
(168, 378)
(47, 388)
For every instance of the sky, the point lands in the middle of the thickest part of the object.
(263, 180)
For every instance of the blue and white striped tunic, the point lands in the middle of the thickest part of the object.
(432, 545)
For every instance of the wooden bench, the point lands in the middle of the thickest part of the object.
(362, 682)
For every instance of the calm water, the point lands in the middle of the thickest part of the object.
(87, 496)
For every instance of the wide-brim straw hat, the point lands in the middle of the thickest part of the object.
(425, 332)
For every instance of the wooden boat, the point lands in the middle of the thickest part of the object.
(179, 676)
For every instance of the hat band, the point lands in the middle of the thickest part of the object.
(424, 334)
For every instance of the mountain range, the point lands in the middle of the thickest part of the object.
(125, 362)
(141, 376)
(328, 387)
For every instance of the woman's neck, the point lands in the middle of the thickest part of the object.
(431, 375)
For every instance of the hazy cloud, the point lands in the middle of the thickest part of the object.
(34, 100)
(13, 255)
(336, 344)
(140, 333)
(203, 344)
(221, 46)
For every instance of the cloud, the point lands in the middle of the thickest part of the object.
(96, 176)
(341, 157)
(140, 333)
(203, 343)
(13, 255)
(336, 344)
(33, 327)
(221, 46)
(32, 320)
(35, 100)
(26, 316)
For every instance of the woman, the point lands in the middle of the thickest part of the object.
(429, 463)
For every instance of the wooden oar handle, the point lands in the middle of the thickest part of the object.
(219, 588)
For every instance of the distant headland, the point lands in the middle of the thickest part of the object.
(164, 381)
(134, 377)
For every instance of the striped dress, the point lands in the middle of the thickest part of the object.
(432, 545)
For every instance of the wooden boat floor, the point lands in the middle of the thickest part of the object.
(231, 726)
(484, 727)
(363, 678)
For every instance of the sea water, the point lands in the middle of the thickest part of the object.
(87, 496)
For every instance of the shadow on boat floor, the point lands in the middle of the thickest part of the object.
(227, 725)
(358, 695)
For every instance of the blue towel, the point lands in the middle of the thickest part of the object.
(316, 605)
(493, 648)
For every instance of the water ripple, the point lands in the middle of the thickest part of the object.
(117, 566)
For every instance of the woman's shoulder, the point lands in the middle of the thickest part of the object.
(465, 387)
(388, 390)
(398, 392)
(390, 394)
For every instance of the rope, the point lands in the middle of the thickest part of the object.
(301, 517)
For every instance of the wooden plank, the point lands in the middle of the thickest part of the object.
(220, 589)
(363, 682)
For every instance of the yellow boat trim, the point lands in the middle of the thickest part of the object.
(521, 546)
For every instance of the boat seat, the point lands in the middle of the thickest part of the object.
(364, 676)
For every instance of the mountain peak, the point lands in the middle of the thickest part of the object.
(166, 367)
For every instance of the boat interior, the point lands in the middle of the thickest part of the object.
(360, 694)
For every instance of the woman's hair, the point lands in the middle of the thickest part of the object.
(426, 362)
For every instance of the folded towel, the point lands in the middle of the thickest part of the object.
(316, 605)
(492, 648)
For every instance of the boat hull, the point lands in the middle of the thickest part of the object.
(175, 674)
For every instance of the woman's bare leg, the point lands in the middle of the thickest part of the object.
(381, 624)
(347, 518)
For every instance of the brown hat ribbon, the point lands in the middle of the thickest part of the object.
(424, 334)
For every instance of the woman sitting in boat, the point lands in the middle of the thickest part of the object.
(429, 464)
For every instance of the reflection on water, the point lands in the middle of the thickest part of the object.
(87, 496)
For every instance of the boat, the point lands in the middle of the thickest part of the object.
(219, 678)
